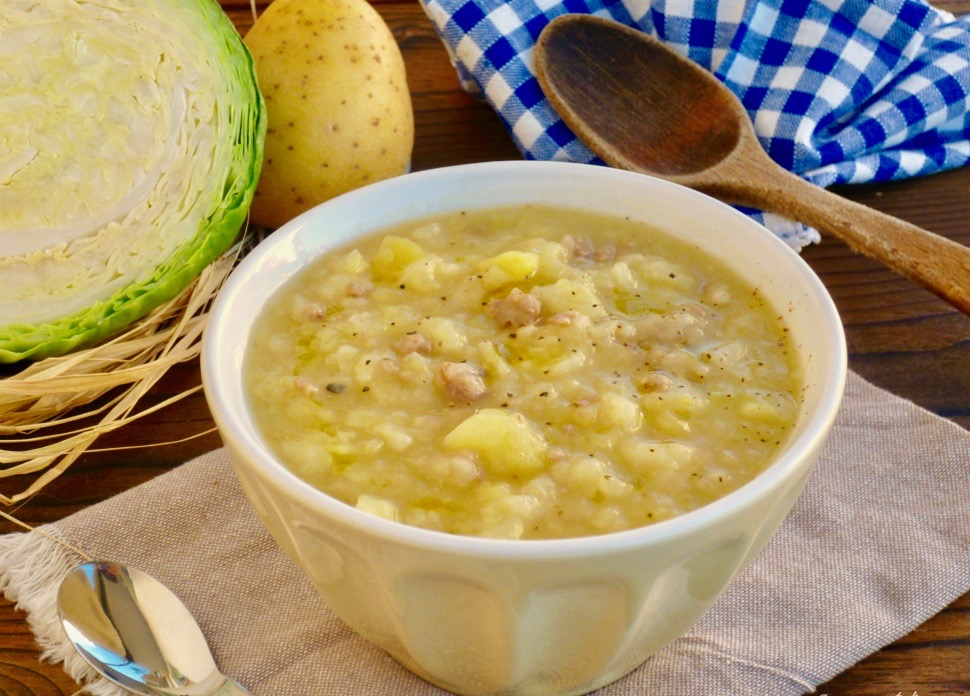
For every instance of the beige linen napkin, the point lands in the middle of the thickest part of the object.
(879, 542)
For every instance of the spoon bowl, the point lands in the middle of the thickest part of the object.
(643, 107)
(136, 633)
(662, 142)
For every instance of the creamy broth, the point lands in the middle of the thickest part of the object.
(522, 373)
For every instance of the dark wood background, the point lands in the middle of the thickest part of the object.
(900, 337)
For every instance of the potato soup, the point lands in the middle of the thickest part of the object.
(525, 373)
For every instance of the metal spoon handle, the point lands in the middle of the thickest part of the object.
(231, 688)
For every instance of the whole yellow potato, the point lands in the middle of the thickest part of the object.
(339, 111)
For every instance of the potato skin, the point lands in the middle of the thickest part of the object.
(338, 106)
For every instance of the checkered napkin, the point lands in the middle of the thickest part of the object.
(844, 91)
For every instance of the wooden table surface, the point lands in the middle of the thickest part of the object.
(900, 337)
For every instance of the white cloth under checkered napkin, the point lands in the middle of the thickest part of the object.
(840, 91)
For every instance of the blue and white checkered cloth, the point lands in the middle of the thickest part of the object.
(839, 91)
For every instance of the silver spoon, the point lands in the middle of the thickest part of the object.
(137, 634)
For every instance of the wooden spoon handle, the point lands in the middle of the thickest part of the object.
(940, 265)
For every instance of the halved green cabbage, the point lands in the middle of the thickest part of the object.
(131, 136)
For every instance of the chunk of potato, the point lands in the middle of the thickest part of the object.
(421, 275)
(491, 360)
(394, 255)
(661, 459)
(508, 267)
(445, 334)
(664, 273)
(381, 507)
(570, 295)
(507, 443)
(756, 408)
(616, 411)
(596, 480)
(552, 258)
(353, 263)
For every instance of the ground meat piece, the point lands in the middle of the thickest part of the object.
(605, 253)
(579, 248)
(314, 311)
(517, 309)
(554, 454)
(388, 366)
(306, 385)
(462, 381)
(583, 249)
(412, 343)
(569, 318)
(359, 288)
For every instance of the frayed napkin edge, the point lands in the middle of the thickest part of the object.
(39, 562)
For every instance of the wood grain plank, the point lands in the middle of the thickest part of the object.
(900, 338)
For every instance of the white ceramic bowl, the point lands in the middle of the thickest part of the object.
(480, 616)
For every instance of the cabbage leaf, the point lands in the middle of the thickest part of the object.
(131, 136)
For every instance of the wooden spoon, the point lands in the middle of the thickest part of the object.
(642, 107)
